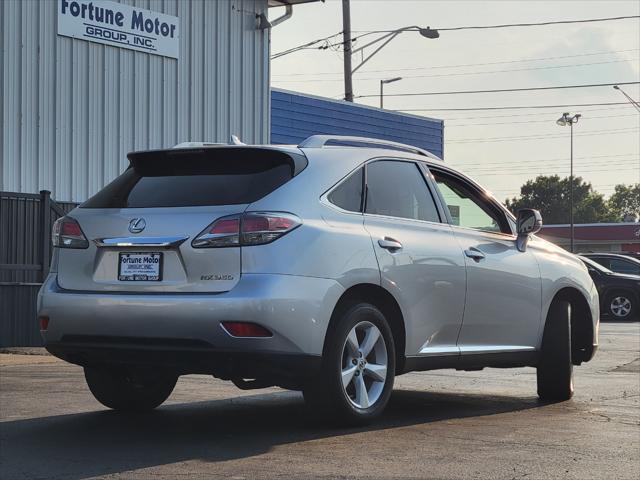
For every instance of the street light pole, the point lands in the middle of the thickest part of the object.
(382, 83)
(571, 188)
(567, 119)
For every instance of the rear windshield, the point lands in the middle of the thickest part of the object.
(195, 178)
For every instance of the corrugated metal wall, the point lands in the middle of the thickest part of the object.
(72, 109)
(295, 116)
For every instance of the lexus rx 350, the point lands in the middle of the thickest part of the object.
(329, 267)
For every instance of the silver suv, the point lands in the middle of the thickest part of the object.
(328, 267)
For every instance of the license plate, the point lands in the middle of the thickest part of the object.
(140, 267)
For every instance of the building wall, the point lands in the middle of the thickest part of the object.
(72, 109)
(295, 116)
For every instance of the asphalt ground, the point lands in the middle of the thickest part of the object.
(442, 424)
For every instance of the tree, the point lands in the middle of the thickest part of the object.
(625, 201)
(550, 195)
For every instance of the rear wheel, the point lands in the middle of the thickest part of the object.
(555, 370)
(129, 389)
(358, 368)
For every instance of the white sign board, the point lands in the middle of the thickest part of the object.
(119, 25)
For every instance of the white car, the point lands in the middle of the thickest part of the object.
(328, 267)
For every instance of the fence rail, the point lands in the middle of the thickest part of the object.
(26, 220)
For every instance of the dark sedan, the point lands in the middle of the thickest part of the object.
(619, 293)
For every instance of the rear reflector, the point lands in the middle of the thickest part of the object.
(44, 322)
(246, 329)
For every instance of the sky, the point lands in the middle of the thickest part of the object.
(482, 143)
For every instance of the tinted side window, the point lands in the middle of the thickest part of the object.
(467, 207)
(398, 189)
(348, 195)
(622, 266)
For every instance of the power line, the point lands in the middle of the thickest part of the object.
(540, 160)
(532, 114)
(614, 131)
(501, 90)
(557, 165)
(304, 46)
(463, 65)
(558, 171)
(508, 107)
(481, 27)
(582, 118)
(509, 25)
(546, 67)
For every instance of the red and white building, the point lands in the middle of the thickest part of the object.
(596, 237)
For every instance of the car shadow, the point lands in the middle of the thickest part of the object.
(105, 442)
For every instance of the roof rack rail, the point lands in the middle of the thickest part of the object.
(320, 141)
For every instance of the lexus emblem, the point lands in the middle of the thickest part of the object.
(136, 225)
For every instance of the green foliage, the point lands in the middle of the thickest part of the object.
(626, 201)
(551, 194)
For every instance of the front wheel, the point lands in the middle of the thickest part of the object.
(129, 389)
(358, 369)
(555, 370)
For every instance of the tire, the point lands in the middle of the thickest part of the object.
(129, 390)
(555, 369)
(367, 366)
(621, 305)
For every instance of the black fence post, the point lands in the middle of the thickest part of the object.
(45, 237)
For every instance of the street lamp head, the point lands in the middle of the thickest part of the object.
(566, 119)
(562, 121)
(616, 87)
(391, 80)
(429, 33)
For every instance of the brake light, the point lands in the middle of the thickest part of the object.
(254, 228)
(246, 329)
(68, 234)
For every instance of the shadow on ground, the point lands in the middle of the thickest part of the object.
(105, 442)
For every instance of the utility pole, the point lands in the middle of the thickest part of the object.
(346, 38)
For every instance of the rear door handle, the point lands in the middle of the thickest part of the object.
(474, 253)
(390, 244)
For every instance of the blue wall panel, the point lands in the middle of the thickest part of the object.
(295, 116)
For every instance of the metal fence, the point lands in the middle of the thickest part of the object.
(25, 253)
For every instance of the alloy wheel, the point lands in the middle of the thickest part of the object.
(364, 365)
(620, 306)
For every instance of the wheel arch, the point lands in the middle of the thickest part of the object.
(386, 303)
(582, 324)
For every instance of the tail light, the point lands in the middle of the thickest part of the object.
(254, 228)
(68, 234)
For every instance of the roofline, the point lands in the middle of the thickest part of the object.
(369, 107)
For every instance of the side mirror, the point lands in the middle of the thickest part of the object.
(529, 222)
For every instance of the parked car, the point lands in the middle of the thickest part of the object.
(616, 262)
(328, 267)
(619, 293)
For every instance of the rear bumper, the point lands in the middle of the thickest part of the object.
(296, 309)
(280, 369)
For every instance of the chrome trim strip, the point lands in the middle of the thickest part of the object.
(495, 349)
(119, 242)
